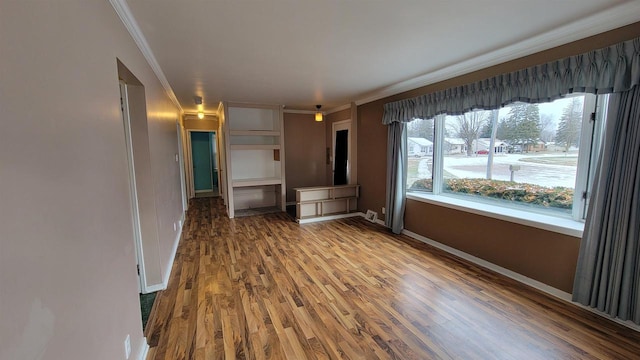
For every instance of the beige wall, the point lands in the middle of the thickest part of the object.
(542, 255)
(208, 123)
(304, 144)
(68, 285)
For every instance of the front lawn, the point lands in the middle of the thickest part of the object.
(556, 197)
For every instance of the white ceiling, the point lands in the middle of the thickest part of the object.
(331, 52)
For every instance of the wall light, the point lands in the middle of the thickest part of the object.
(319, 114)
(200, 115)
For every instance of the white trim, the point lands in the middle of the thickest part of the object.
(172, 258)
(491, 266)
(155, 288)
(330, 217)
(144, 350)
(606, 20)
(203, 191)
(133, 190)
(339, 108)
(566, 226)
(335, 127)
(292, 111)
(327, 112)
(124, 12)
(380, 221)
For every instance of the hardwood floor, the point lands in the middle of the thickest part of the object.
(264, 287)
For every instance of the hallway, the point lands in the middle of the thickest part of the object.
(264, 287)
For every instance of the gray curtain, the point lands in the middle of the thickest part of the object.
(396, 176)
(608, 271)
(612, 69)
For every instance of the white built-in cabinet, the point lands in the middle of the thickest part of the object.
(255, 157)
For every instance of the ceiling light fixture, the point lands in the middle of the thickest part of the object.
(319, 114)
(198, 101)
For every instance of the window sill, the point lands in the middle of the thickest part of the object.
(559, 225)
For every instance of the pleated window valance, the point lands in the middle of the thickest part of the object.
(612, 69)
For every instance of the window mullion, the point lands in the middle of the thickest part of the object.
(584, 156)
(438, 152)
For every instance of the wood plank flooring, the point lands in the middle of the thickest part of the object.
(264, 287)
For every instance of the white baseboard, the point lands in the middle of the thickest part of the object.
(172, 257)
(144, 349)
(155, 288)
(330, 217)
(290, 203)
(491, 266)
(559, 294)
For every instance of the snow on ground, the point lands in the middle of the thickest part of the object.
(548, 175)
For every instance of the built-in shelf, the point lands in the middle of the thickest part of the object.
(255, 147)
(255, 156)
(325, 201)
(256, 182)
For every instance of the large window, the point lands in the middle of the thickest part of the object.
(536, 157)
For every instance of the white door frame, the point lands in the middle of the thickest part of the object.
(135, 209)
(335, 127)
(183, 185)
(192, 192)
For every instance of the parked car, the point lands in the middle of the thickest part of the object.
(482, 152)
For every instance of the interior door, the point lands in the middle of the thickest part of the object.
(201, 155)
(341, 151)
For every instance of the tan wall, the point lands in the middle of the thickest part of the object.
(304, 143)
(539, 254)
(67, 261)
(208, 123)
(544, 256)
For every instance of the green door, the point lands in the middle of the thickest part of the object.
(201, 152)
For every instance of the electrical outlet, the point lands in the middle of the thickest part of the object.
(127, 347)
(177, 158)
(174, 227)
(383, 210)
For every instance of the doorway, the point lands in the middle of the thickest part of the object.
(204, 161)
(341, 151)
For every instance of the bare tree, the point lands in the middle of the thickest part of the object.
(568, 133)
(468, 127)
(547, 127)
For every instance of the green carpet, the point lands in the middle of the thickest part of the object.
(146, 303)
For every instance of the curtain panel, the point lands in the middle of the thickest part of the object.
(396, 176)
(612, 69)
(608, 269)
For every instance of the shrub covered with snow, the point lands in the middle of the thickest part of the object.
(557, 197)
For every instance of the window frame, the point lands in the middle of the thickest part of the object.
(591, 133)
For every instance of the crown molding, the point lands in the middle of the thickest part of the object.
(339, 108)
(124, 12)
(606, 20)
(293, 111)
(326, 112)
